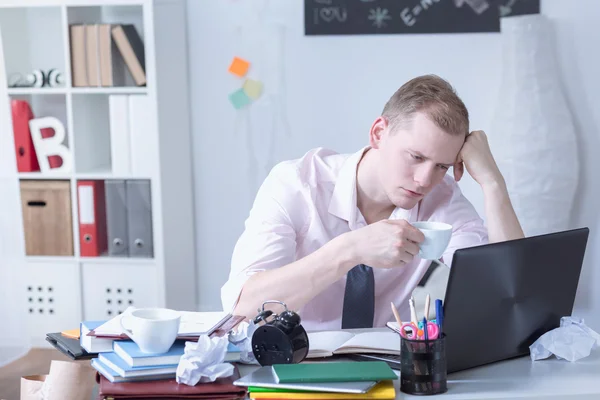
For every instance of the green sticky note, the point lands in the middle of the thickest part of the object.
(253, 88)
(333, 372)
(239, 98)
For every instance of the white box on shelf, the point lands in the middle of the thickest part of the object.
(50, 292)
(108, 289)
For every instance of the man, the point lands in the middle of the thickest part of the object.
(330, 235)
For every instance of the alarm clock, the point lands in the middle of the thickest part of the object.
(280, 340)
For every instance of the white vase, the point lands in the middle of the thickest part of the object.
(532, 135)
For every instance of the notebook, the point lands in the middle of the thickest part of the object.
(130, 352)
(264, 377)
(383, 390)
(344, 371)
(117, 364)
(68, 346)
(328, 343)
(113, 376)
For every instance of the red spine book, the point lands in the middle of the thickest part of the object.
(93, 240)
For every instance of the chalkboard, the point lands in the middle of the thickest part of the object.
(353, 17)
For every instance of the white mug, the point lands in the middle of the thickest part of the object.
(154, 330)
(437, 236)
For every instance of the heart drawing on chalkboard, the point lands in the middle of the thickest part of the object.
(330, 13)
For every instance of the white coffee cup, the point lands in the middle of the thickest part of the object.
(437, 236)
(154, 330)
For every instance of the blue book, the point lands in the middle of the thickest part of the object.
(134, 357)
(117, 364)
(114, 377)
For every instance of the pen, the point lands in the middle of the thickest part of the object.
(397, 316)
(425, 333)
(426, 311)
(439, 314)
(413, 313)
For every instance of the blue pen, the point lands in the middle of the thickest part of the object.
(425, 333)
(439, 314)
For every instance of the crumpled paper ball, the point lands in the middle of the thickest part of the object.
(202, 361)
(242, 338)
(571, 341)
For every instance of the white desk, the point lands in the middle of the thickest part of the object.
(519, 379)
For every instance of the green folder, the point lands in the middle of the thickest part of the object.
(333, 372)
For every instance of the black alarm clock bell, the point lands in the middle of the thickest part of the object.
(281, 340)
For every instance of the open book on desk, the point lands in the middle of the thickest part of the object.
(192, 325)
(329, 343)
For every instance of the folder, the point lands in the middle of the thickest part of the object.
(142, 136)
(92, 55)
(78, 55)
(118, 106)
(131, 47)
(25, 150)
(116, 218)
(92, 218)
(343, 371)
(47, 218)
(139, 218)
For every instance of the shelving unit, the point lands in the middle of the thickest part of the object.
(36, 34)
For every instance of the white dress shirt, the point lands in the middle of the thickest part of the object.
(305, 203)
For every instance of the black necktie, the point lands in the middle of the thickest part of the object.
(359, 298)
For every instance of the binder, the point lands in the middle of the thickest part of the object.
(118, 105)
(25, 150)
(139, 218)
(78, 55)
(116, 218)
(47, 218)
(92, 55)
(143, 140)
(92, 218)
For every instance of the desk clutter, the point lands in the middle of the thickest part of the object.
(157, 353)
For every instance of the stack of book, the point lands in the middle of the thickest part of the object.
(126, 363)
(322, 380)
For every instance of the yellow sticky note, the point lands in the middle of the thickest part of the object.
(73, 333)
(252, 88)
(239, 66)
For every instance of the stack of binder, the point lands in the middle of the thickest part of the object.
(115, 218)
(322, 380)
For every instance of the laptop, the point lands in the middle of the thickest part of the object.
(502, 297)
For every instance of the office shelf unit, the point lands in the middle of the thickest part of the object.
(52, 293)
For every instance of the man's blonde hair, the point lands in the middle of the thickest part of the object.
(435, 97)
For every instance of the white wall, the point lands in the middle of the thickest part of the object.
(334, 87)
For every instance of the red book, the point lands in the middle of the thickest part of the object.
(93, 239)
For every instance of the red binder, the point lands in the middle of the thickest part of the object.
(27, 160)
(26, 157)
(93, 240)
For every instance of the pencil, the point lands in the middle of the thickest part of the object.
(426, 311)
(396, 315)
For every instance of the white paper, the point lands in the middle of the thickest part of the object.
(202, 361)
(572, 341)
(192, 323)
(242, 338)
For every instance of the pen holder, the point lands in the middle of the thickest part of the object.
(423, 366)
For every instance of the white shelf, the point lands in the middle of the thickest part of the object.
(44, 176)
(109, 90)
(51, 259)
(77, 90)
(30, 91)
(33, 37)
(116, 260)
